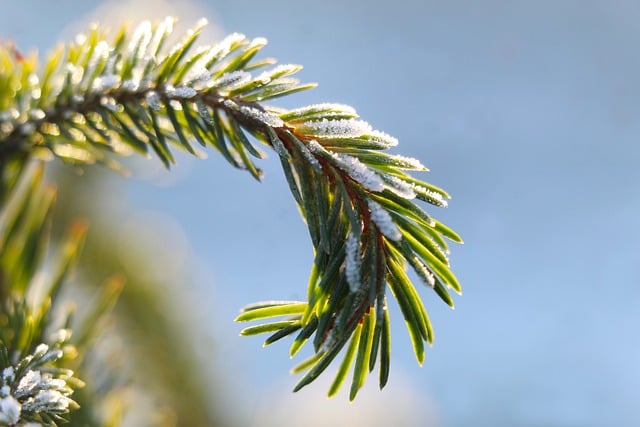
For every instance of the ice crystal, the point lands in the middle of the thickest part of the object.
(105, 82)
(399, 187)
(383, 138)
(153, 100)
(51, 355)
(47, 400)
(10, 410)
(180, 92)
(221, 49)
(37, 390)
(8, 375)
(345, 128)
(279, 71)
(265, 117)
(275, 88)
(410, 163)
(130, 85)
(203, 111)
(140, 40)
(353, 261)
(383, 221)
(74, 72)
(434, 198)
(100, 54)
(232, 79)
(307, 153)
(316, 147)
(359, 172)
(165, 27)
(325, 108)
(198, 76)
(258, 42)
(423, 272)
(28, 383)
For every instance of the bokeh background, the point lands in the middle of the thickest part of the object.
(527, 112)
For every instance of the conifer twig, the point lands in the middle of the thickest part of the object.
(100, 97)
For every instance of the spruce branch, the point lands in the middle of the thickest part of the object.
(42, 348)
(99, 97)
(34, 390)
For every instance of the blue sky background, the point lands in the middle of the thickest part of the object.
(526, 112)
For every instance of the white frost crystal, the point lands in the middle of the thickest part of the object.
(353, 261)
(100, 53)
(279, 71)
(220, 50)
(47, 400)
(437, 197)
(409, 162)
(258, 42)
(307, 153)
(35, 391)
(198, 76)
(28, 383)
(140, 40)
(384, 221)
(359, 172)
(383, 138)
(180, 92)
(40, 350)
(106, 82)
(165, 27)
(324, 107)
(153, 100)
(74, 72)
(337, 128)
(8, 375)
(399, 187)
(10, 410)
(425, 273)
(316, 147)
(204, 111)
(130, 85)
(232, 79)
(265, 117)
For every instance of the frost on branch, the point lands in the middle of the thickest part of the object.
(232, 80)
(353, 262)
(359, 172)
(335, 128)
(32, 390)
(383, 220)
(362, 205)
